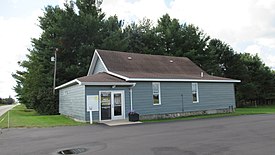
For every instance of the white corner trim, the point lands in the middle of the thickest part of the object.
(75, 81)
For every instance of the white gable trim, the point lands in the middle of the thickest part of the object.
(92, 65)
(73, 82)
(95, 58)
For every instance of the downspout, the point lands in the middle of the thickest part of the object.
(131, 96)
(182, 104)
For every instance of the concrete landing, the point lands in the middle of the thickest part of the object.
(119, 122)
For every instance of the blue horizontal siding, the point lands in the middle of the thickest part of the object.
(72, 102)
(99, 67)
(171, 97)
(177, 97)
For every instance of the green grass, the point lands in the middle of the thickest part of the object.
(270, 109)
(22, 117)
(239, 111)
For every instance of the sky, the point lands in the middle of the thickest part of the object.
(246, 25)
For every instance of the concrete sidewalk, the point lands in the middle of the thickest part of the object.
(119, 122)
(6, 108)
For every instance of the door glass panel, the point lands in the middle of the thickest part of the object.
(105, 105)
(117, 105)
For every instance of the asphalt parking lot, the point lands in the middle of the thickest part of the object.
(240, 135)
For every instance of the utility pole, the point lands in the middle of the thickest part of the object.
(54, 74)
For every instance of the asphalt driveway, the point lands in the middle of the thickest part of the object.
(240, 135)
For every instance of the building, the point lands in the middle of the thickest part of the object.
(152, 85)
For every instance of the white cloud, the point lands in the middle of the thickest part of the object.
(135, 10)
(253, 49)
(61, 3)
(15, 34)
(263, 52)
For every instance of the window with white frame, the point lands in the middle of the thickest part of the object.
(195, 92)
(156, 93)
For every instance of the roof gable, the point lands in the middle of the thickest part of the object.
(96, 65)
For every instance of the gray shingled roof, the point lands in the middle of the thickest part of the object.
(133, 65)
(100, 77)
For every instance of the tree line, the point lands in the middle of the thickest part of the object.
(7, 101)
(81, 26)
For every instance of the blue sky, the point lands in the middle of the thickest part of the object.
(246, 25)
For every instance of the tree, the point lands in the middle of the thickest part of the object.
(181, 40)
(113, 35)
(168, 33)
(193, 44)
(75, 35)
(221, 56)
(7, 100)
(141, 37)
(257, 81)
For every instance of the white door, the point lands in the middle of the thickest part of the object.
(118, 105)
(112, 105)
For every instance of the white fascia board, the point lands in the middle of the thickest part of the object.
(170, 80)
(75, 81)
(108, 83)
(119, 76)
(181, 80)
(92, 65)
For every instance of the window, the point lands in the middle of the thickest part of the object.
(195, 93)
(156, 93)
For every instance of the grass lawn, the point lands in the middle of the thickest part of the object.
(239, 111)
(22, 117)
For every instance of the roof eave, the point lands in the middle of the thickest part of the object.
(108, 83)
(70, 83)
(182, 80)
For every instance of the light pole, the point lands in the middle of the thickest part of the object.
(54, 73)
